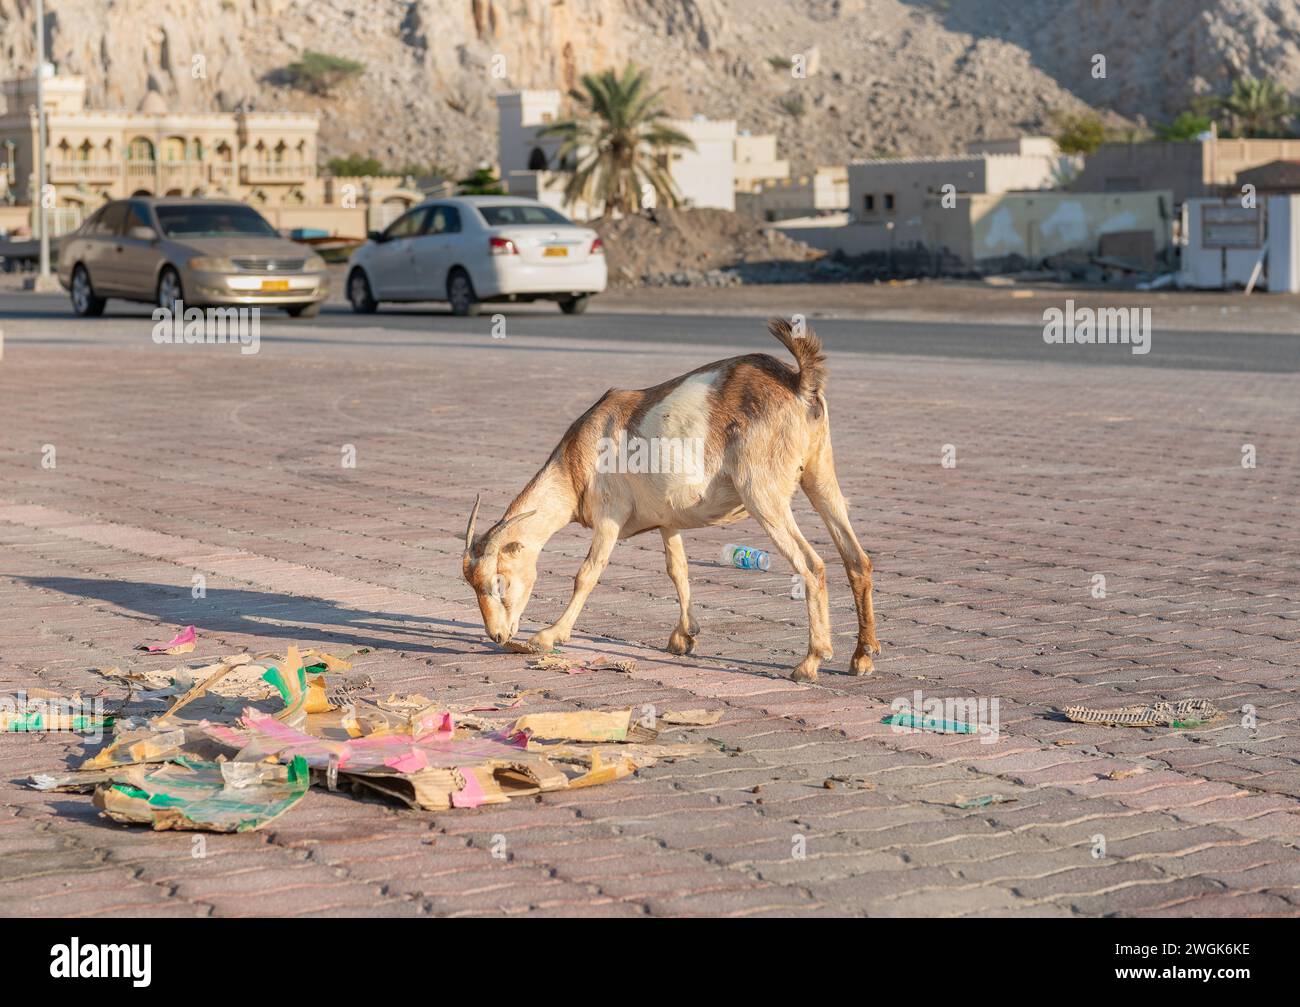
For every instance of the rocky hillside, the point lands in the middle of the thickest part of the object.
(886, 76)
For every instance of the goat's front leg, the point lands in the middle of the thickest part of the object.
(683, 639)
(603, 540)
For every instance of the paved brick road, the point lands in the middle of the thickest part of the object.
(177, 461)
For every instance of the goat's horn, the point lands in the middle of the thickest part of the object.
(469, 529)
(495, 535)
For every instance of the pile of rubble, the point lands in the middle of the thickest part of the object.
(242, 739)
(695, 247)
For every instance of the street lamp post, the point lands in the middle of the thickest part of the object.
(43, 278)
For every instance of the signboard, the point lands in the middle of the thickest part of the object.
(1231, 226)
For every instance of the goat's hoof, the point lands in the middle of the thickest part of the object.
(861, 664)
(545, 642)
(681, 643)
(806, 671)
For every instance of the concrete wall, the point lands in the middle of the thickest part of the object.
(850, 238)
(1134, 167)
(1191, 168)
(1034, 225)
(338, 221)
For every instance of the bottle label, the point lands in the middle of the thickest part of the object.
(745, 558)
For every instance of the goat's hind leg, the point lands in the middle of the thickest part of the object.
(682, 640)
(778, 521)
(823, 490)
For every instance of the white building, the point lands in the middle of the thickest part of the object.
(705, 177)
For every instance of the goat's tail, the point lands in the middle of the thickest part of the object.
(807, 350)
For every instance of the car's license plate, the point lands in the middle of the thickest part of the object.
(275, 285)
(556, 251)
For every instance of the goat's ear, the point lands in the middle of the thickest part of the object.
(510, 548)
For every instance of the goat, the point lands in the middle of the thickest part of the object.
(763, 429)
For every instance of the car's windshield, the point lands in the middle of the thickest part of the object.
(199, 221)
(522, 215)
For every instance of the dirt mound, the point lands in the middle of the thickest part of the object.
(653, 249)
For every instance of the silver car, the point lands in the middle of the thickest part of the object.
(194, 251)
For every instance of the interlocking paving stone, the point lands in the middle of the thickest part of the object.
(226, 466)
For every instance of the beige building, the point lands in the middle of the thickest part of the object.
(889, 194)
(756, 161)
(1191, 168)
(267, 159)
(824, 192)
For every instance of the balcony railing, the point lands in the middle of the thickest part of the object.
(276, 171)
(138, 170)
(84, 171)
(221, 171)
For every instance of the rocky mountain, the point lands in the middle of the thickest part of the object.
(883, 76)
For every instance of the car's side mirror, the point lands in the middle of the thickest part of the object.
(142, 233)
(376, 236)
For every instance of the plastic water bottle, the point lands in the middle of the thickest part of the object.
(745, 557)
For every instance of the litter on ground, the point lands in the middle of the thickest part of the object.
(182, 643)
(1184, 713)
(242, 738)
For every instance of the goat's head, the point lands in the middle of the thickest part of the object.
(501, 567)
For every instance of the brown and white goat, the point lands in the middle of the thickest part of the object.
(764, 430)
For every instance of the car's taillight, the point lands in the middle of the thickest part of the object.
(501, 246)
(597, 247)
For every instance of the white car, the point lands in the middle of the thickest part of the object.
(468, 250)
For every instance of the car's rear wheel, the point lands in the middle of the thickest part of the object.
(304, 310)
(359, 296)
(460, 294)
(169, 289)
(84, 301)
(574, 305)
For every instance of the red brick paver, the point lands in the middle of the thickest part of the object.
(175, 462)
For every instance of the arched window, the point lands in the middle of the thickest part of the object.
(140, 149)
(537, 160)
(174, 148)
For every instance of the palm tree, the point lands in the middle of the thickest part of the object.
(617, 144)
(1257, 108)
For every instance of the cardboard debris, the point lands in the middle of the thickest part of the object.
(1184, 713)
(46, 712)
(576, 666)
(587, 725)
(243, 738)
(197, 795)
(690, 718)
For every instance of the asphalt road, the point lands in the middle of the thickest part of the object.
(397, 326)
